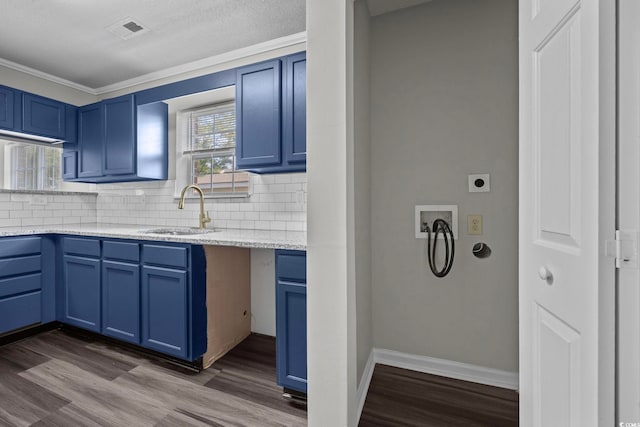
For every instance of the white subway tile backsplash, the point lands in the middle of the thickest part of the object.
(277, 202)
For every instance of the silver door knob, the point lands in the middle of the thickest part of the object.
(545, 274)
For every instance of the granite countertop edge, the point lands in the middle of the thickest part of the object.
(259, 239)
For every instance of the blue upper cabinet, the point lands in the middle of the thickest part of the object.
(119, 135)
(120, 141)
(258, 105)
(31, 114)
(7, 99)
(294, 121)
(90, 141)
(44, 116)
(271, 123)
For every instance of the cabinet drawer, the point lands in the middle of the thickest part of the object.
(20, 311)
(291, 265)
(165, 256)
(82, 247)
(121, 251)
(20, 284)
(16, 266)
(20, 246)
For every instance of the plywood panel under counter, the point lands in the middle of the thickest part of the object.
(228, 299)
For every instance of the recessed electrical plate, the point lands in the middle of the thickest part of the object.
(426, 214)
(479, 183)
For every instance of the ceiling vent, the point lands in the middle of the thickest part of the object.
(127, 28)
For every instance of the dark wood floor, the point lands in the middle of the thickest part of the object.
(398, 397)
(64, 379)
(67, 379)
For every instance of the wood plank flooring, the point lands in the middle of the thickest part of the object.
(398, 397)
(63, 378)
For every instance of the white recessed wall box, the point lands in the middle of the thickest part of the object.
(426, 214)
(479, 183)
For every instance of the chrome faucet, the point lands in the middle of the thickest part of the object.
(204, 219)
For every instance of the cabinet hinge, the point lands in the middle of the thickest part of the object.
(624, 248)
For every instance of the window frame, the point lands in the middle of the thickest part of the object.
(188, 155)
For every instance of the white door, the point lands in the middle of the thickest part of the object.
(567, 211)
(629, 211)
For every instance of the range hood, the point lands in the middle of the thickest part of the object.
(8, 135)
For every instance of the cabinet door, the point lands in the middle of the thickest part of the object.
(121, 300)
(258, 128)
(90, 141)
(69, 164)
(164, 310)
(295, 109)
(43, 116)
(291, 335)
(7, 108)
(119, 136)
(82, 292)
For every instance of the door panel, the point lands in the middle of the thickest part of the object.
(90, 141)
(629, 210)
(119, 125)
(567, 183)
(82, 292)
(121, 300)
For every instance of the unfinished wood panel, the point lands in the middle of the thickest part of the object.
(228, 299)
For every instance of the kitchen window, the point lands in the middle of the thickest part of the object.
(208, 156)
(31, 167)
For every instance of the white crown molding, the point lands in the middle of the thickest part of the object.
(45, 76)
(270, 45)
(264, 47)
(447, 368)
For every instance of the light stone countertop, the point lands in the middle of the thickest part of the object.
(267, 239)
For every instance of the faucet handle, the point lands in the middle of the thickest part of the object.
(208, 218)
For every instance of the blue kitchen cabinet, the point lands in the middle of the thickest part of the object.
(119, 141)
(81, 284)
(294, 121)
(271, 115)
(165, 310)
(7, 108)
(121, 290)
(69, 164)
(21, 283)
(258, 117)
(90, 141)
(119, 135)
(291, 319)
(44, 116)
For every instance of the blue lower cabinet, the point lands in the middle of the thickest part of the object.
(20, 311)
(165, 310)
(291, 320)
(82, 292)
(25, 280)
(121, 300)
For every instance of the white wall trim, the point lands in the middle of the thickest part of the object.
(447, 368)
(45, 76)
(234, 55)
(365, 381)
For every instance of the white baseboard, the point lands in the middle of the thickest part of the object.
(363, 386)
(447, 368)
(432, 365)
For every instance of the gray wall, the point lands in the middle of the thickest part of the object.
(444, 104)
(362, 183)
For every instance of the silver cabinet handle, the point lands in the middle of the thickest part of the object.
(545, 274)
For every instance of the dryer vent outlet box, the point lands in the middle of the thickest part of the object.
(479, 183)
(425, 215)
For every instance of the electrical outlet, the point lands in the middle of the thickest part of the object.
(474, 224)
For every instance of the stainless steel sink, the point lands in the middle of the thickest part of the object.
(179, 231)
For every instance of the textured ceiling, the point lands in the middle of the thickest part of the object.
(68, 38)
